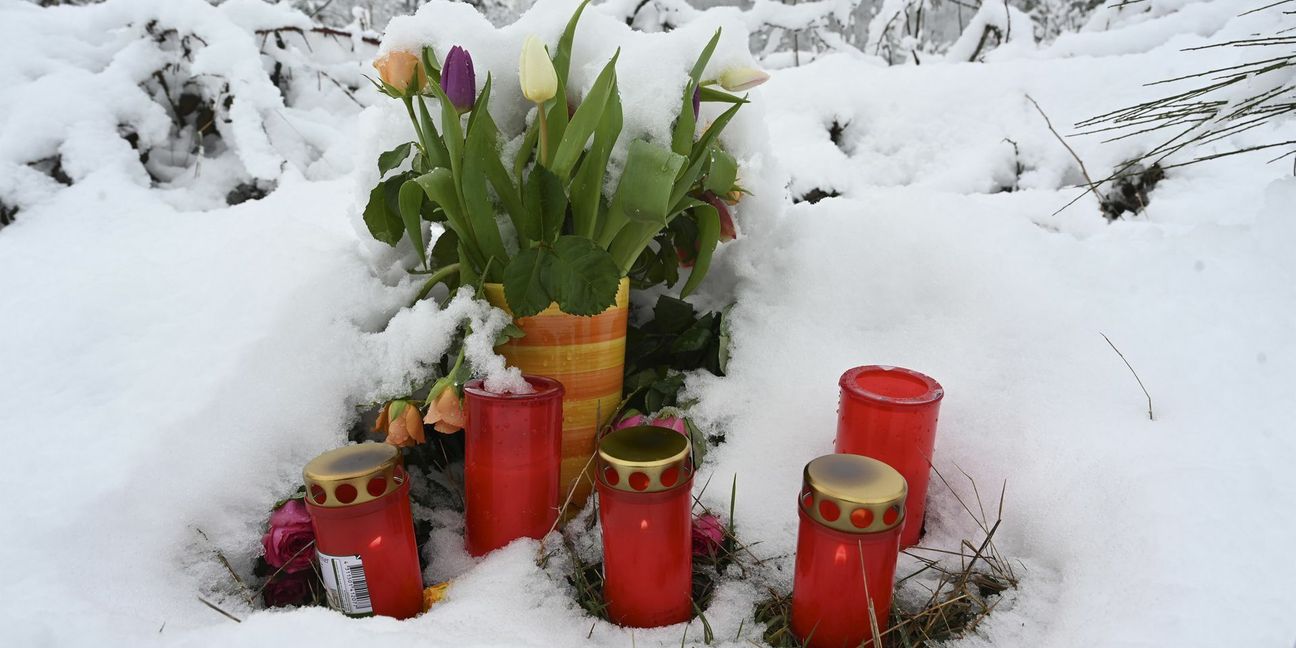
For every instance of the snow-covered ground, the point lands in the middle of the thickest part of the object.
(168, 365)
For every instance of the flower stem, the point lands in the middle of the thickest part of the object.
(544, 136)
(436, 278)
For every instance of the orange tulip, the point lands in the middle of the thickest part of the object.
(446, 413)
(403, 424)
(398, 69)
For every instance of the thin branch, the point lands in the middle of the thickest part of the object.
(1083, 170)
(1136, 376)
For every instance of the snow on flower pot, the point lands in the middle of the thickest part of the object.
(359, 503)
(645, 483)
(889, 414)
(586, 355)
(512, 455)
(852, 511)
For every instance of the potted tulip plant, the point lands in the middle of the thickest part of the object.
(537, 232)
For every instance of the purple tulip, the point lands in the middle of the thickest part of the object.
(697, 101)
(458, 80)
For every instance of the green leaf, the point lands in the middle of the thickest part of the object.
(562, 57)
(695, 338)
(722, 172)
(389, 160)
(411, 204)
(384, 224)
(583, 277)
(708, 224)
(445, 250)
(510, 332)
(712, 95)
(587, 185)
(524, 282)
(686, 124)
(431, 65)
(712, 133)
(645, 187)
(439, 187)
(672, 315)
(528, 147)
(583, 123)
(546, 205)
(479, 146)
(437, 155)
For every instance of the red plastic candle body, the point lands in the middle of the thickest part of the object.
(358, 498)
(851, 514)
(512, 458)
(889, 414)
(644, 486)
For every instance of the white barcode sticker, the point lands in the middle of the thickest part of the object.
(345, 584)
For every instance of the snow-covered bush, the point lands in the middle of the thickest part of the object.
(213, 103)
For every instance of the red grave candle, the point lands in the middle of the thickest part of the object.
(512, 458)
(358, 499)
(889, 414)
(645, 485)
(852, 511)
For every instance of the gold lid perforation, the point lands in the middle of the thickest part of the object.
(353, 474)
(853, 494)
(644, 459)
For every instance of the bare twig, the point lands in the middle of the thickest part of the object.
(215, 607)
(1131, 368)
(1083, 170)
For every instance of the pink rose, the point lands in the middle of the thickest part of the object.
(632, 418)
(673, 422)
(708, 535)
(288, 589)
(287, 543)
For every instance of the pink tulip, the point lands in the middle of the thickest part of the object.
(708, 535)
(673, 422)
(632, 418)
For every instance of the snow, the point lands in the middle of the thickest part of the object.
(168, 363)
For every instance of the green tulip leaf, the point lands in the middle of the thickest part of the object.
(708, 225)
(583, 277)
(710, 94)
(437, 155)
(722, 172)
(546, 205)
(644, 191)
(586, 119)
(445, 250)
(587, 184)
(479, 146)
(524, 282)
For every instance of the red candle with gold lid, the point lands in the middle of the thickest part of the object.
(512, 462)
(358, 499)
(889, 414)
(645, 485)
(852, 510)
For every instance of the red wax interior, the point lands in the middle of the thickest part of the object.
(512, 456)
(890, 415)
(647, 555)
(381, 532)
(829, 595)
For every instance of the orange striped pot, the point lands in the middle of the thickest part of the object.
(585, 354)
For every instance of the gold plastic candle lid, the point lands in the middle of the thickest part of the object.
(353, 474)
(644, 459)
(853, 494)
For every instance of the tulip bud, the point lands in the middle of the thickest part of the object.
(403, 424)
(446, 412)
(398, 69)
(739, 79)
(727, 230)
(458, 79)
(536, 72)
(697, 101)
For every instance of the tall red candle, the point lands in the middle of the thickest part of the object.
(512, 457)
(852, 511)
(358, 499)
(889, 414)
(645, 484)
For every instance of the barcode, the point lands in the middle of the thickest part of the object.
(360, 586)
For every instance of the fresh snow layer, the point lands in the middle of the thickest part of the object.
(165, 370)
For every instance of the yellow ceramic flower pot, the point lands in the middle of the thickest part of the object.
(585, 354)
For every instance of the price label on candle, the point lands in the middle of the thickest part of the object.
(345, 584)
